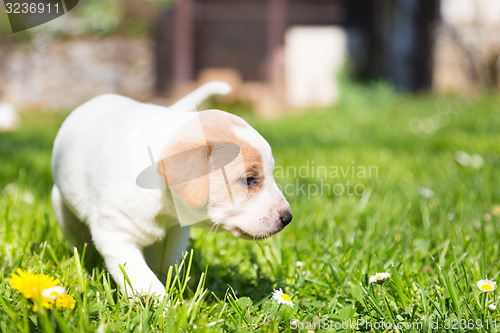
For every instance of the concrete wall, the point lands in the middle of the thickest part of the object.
(313, 57)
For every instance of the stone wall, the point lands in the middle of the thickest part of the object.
(63, 73)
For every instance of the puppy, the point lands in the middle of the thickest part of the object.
(134, 177)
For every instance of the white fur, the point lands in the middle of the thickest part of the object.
(95, 187)
(198, 96)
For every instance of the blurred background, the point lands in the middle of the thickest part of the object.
(279, 55)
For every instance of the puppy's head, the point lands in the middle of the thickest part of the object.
(221, 164)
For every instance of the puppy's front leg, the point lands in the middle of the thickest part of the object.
(122, 249)
(168, 251)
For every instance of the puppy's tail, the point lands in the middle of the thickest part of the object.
(201, 94)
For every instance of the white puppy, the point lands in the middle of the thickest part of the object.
(211, 162)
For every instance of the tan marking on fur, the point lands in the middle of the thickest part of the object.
(180, 166)
(217, 127)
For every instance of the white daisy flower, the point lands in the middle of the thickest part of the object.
(53, 292)
(486, 286)
(28, 198)
(495, 210)
(492, 307)
(379, 277)
(299, 264)
(462, 158)
(282, 298)
(476, 161)
(426, 192)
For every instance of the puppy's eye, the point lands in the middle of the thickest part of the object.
(249, 181)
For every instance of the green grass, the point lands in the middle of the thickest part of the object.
(436, 248)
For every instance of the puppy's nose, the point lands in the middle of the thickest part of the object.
(286, 218)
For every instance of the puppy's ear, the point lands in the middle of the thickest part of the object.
(185, 169)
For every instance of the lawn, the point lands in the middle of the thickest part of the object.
(383, 182)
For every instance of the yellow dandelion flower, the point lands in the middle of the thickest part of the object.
(44, 301)
(32, 285)
(282, 298)
(495, 210)
(65, 301)
(486, 286)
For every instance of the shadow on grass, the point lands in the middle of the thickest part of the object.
(221, 277)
